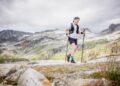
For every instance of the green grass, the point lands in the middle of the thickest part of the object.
(111, 72)
(11, 58)
(88, 54)
(58, 56)
(97, 75)
(44, 51)
(93, 44)
(93, 49)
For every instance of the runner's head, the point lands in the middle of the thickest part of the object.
(76, 20)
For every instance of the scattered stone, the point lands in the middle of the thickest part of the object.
(14, 77)
(33, 78)
(4, 69)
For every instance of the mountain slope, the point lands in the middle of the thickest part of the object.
(47, 44)
(11, 35)
(112, 28)
(42, 45)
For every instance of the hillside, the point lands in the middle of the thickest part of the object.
(39, 45)
(112, 28)
(51, 45)
(39, 58)
(12, 35)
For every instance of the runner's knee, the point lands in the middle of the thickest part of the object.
(75, 48)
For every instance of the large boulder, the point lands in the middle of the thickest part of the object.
(12, 73)
(32, 78)
(4, 69)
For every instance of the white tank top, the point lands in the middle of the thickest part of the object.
(74, 34)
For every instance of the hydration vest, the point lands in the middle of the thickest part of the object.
(72, 29)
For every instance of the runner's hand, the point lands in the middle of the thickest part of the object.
(83, 32)
(67, 34)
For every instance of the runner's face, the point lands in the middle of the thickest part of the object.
(76, 21)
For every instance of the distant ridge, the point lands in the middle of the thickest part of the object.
(11, 35)
(112, 28)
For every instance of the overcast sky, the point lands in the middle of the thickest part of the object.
(36, 15)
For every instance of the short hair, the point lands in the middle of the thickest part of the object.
(76, 18)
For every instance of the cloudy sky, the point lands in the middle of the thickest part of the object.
(36, 15)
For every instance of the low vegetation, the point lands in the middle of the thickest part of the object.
(5, 58)
(94, 50)
(110, 71)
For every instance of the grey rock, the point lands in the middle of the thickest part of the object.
(32, 78)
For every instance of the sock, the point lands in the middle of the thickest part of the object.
(71, 58)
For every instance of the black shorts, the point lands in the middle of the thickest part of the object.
(72, 40)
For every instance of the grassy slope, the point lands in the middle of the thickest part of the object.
(93, 49)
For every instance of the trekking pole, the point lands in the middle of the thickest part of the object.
(82, 54)
(66, 50)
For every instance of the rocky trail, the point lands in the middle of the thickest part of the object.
(53, 73)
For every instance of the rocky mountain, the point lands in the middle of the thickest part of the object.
(40, 45)
(96, 71)
(12, 35)
(112, 28)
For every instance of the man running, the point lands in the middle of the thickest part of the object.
(72, 32)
